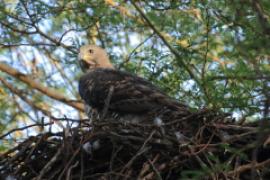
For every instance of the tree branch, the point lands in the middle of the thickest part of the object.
(173, 50)
(262, 17)
(23, 128)
(24, 98)
(239, 77)
(45, 90)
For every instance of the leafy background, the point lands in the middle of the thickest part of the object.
(208, 54)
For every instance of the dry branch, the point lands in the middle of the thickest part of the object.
(43, 89)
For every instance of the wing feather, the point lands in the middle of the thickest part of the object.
(131, 93)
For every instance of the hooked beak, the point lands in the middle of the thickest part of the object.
(84, 64)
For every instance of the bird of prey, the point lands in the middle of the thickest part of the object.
(111, 92)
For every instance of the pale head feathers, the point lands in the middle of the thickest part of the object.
(92, 56)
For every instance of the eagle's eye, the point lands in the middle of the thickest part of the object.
(91, 51)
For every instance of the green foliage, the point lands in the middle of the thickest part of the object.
(225, 44)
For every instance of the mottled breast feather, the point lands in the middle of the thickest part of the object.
(131, 94)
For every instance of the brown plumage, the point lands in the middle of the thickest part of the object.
(127, 95)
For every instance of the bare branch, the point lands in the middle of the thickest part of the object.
(23, 128)
(45, 90)
(24, 98)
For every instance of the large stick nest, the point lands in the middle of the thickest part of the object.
(203, 145)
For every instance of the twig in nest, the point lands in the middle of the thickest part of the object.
(69, 162)
(70, 169)
(204, 147)
(150, 164)
(249, 166)
(114, 156)
(49, 164)
(146, 168)
(158, 176)
(234, 127)
(140, 151)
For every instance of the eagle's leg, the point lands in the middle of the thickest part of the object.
(107, 102)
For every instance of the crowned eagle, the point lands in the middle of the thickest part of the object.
(111, 92)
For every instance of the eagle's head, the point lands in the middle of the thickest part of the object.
(92, 56)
